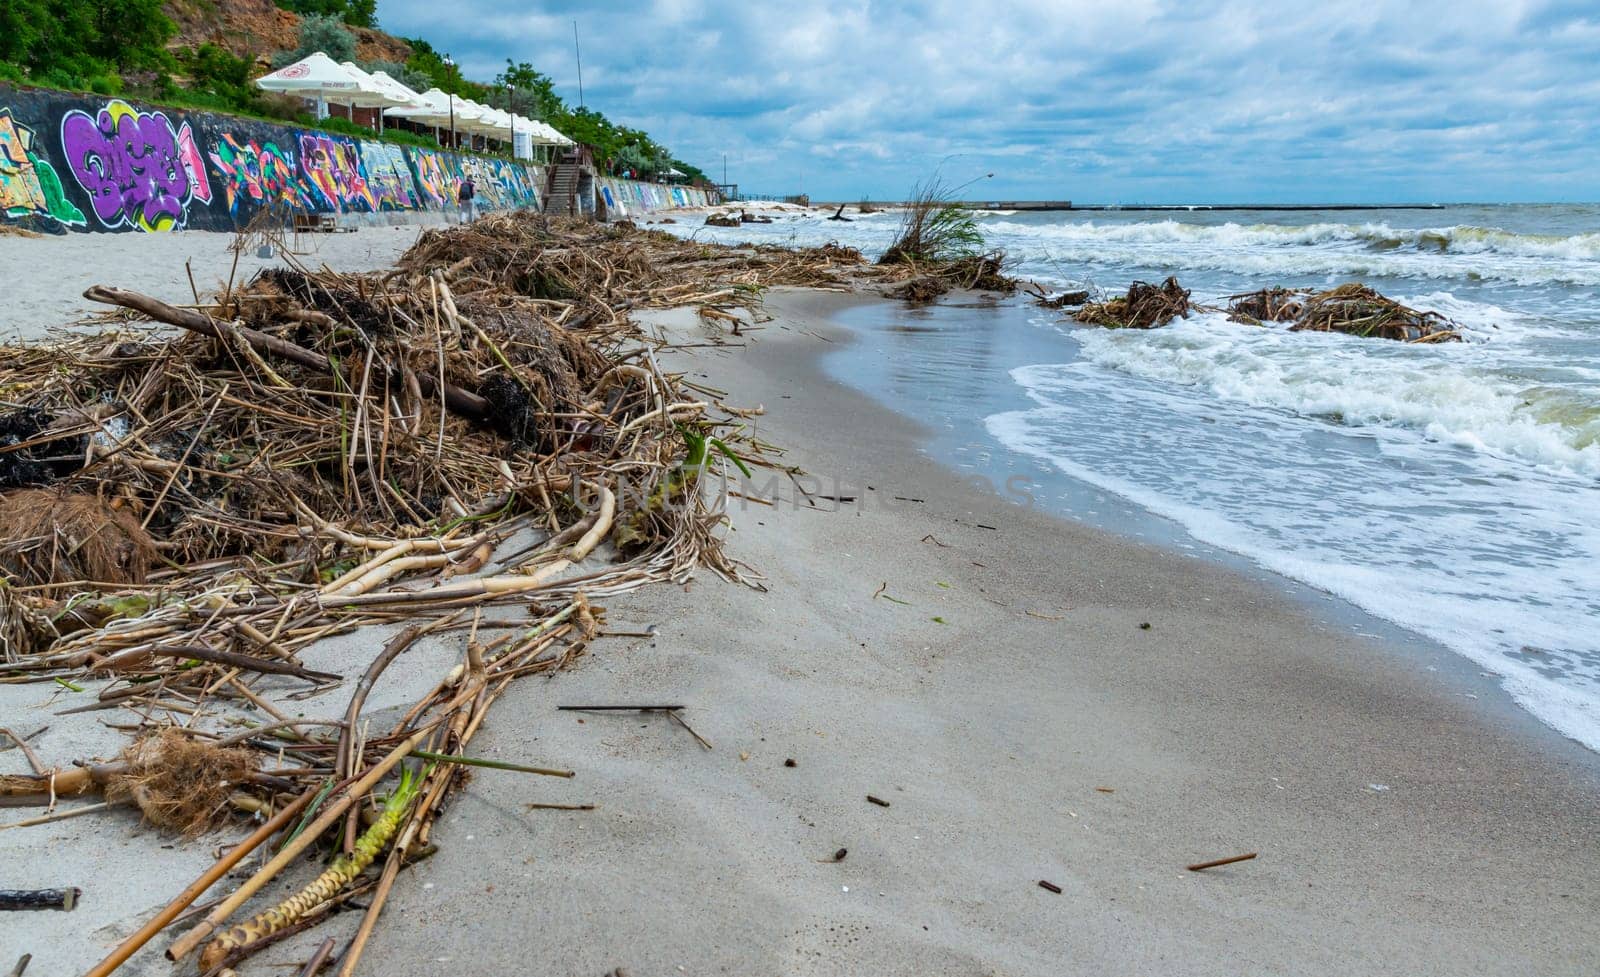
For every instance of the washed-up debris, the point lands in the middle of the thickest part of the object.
(1145, 306)
(1268, 305)
(1202, 866)
(1049, 886)
(1069, 299)
(25, 899)
(189, 511)
(1351, 308)
(877, 800)
(1357, 310)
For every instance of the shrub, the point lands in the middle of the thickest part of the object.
(320, 32)
(934, 228)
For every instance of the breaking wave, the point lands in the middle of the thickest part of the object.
(1373, 249)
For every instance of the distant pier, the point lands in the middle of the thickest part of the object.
(1050, 205)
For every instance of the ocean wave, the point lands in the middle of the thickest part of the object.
(1411, 544)
(1364, 249)
(1459, 238)
(1457, 396)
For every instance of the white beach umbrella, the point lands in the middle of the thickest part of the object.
(372, 94)
(314, 76)
(429, 109)
(470, 117)
(551, 137)
(499, 124)
(369, 94)
(398, 89)
(434, 109)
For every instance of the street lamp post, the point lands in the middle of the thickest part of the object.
(450, 69)
(511, 116)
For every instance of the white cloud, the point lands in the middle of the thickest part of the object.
(1138, 100)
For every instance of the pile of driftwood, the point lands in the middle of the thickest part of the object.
(927, 280)
(730, 219)
(1145, 306)
(1353, 309)
(450, 446)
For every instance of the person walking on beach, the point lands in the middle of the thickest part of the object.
(465, 200)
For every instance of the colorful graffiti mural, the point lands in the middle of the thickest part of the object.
(72, 162)
(29, 186)
(630, 197)
(435, 176)
(388, 176)
(137, 168)
(332, 165)
(255, 175)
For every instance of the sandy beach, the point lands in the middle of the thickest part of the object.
(1023, 725)
(145, 263)
(1032, 699)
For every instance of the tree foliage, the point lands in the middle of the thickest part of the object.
(84, 43)
(320, 32)
(358, 13)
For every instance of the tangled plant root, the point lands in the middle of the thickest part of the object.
(1146, 306)
(180, 784)
(1356, 310)
(55, 537)
(1268, 305)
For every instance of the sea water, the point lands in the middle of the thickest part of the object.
(1453, 489)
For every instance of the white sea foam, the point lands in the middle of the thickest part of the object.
(1501, 566)
(1366, 249)
(1452, 489)
(1457, 394)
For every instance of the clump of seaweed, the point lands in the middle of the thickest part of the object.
(1145, 306)
(1357, 310)
(1274, 304)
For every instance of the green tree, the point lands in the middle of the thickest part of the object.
(359, 13)
(129, 33)
(71, 43)
(531, 93)
(402, 73)
(320, 32)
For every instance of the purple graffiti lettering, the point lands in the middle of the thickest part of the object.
(130, 165)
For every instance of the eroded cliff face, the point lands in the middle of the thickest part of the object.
(259, 28)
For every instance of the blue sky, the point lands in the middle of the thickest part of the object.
(1124, 101)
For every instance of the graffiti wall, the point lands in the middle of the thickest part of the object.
(630, 198)
(92, 163)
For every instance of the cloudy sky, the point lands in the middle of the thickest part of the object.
(1091, 100)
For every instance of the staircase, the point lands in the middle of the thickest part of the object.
(561, 190)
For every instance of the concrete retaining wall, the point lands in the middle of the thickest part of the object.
(85, 163)
(630, 198)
